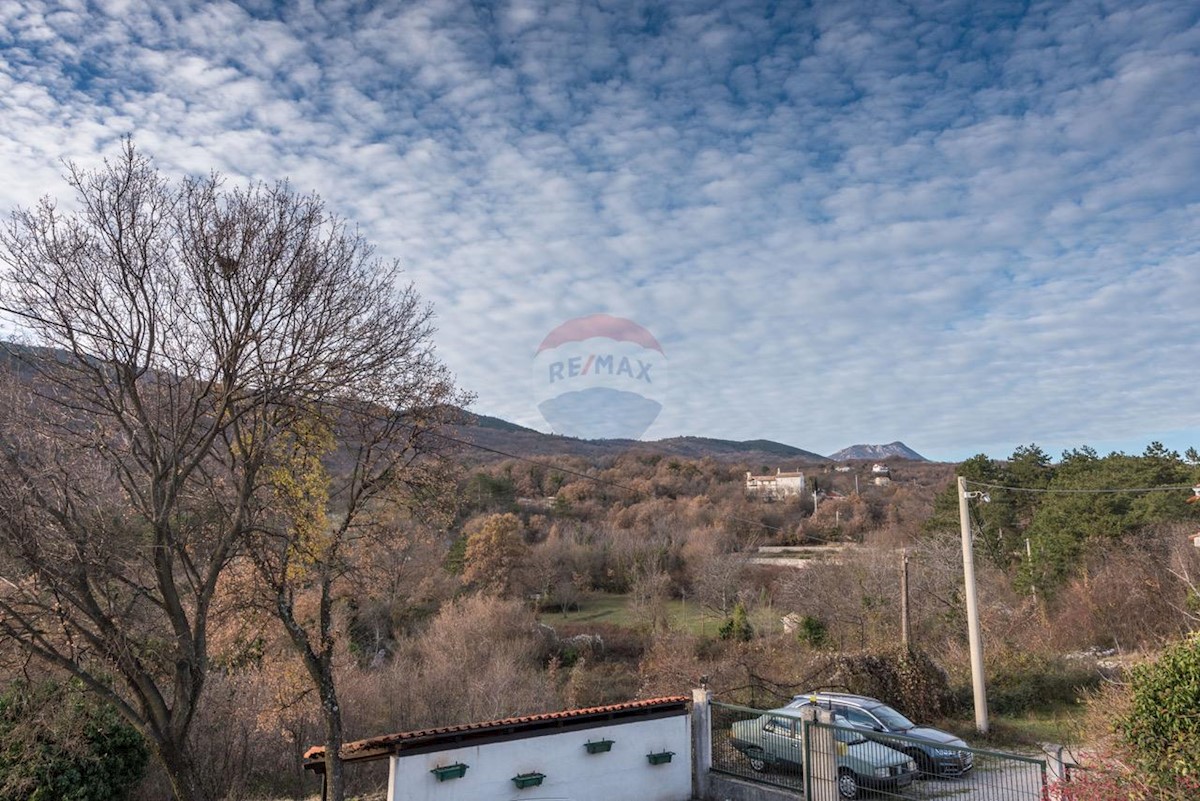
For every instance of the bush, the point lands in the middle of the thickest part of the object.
(737, 626)
(1161, 727)
(1107, 777)
(1022, 681)
(59, 744)
(908, 680)
(812, 631)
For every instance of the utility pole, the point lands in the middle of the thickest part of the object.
(904, 598)
(973, 635)
(1029, 561)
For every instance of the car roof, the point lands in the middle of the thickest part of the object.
(866, 702)
(784, 712)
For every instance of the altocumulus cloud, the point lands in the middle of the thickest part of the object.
(855, 222)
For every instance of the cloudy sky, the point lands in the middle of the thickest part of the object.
(853, 222)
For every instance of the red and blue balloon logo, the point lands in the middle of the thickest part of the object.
(600, 377)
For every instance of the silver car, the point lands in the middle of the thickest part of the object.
(936, 752)
(776, 739)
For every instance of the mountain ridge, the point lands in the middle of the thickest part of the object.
(892, 450)
(501, 437)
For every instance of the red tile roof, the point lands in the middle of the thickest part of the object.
(382, 746)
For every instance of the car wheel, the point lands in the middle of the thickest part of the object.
(847, 783)
(758, 762)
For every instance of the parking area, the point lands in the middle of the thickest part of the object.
(772, 747)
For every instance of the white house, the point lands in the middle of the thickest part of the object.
(636, 751)
(780, 485)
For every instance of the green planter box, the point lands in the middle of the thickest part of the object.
(524, 780)
(660, 758)
(598, 746)
(444, 772)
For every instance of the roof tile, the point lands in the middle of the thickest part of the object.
(384, 741)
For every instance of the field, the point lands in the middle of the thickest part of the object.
(690, 616)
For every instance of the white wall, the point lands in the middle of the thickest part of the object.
(572, 774)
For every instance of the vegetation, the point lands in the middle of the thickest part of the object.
(205, 355)
(60, 744)
(1161, 727)
(227, 517)
(1063, 511)
(737, 627)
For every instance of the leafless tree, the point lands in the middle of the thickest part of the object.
(185, 336)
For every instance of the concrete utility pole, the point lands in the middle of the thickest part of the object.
(1029, 560)
(973, 635)
(904, 597)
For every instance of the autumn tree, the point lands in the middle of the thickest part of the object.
(193, 343)
(496, 554)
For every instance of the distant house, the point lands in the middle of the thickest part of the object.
(883, 481)
(780, 485)
(880, 469)
(845, 468)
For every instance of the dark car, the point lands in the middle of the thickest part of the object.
(936, 752)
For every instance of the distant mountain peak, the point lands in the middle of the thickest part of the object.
(893, 450)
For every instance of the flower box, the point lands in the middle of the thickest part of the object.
(598, 746)
(660, 758)
(524, 780)
(444, 772)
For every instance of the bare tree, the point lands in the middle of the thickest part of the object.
(189, 334)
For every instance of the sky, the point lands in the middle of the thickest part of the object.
(967, 226)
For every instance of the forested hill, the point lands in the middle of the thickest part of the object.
(492, 434)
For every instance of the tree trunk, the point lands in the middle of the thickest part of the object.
(334, 767)
(181, 771)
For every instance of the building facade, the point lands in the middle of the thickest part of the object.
(779, 485)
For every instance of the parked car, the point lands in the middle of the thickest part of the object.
(776, 739)
(936, 752)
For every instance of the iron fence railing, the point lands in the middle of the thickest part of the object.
(774, 747)
(732, 756)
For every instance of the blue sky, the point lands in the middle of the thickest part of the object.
(844, 222)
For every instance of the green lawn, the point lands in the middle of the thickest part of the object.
(1056, 725)
(686, 615)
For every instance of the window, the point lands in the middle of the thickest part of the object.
(858, 717)
(784, 726)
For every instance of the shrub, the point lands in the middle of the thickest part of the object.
(1161, 727)
(737, 626)
(812, 631)
(1018, 682)
(909, 680)
(1107, 777)
(59, 744)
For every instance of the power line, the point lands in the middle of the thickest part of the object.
(1068, 491)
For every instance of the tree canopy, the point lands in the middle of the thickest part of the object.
(196, 349)
(1062, 507)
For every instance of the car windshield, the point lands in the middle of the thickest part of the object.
(893, 719)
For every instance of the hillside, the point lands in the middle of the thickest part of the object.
(893, 450)
(494, 434)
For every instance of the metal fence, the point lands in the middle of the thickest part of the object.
(774, 748)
